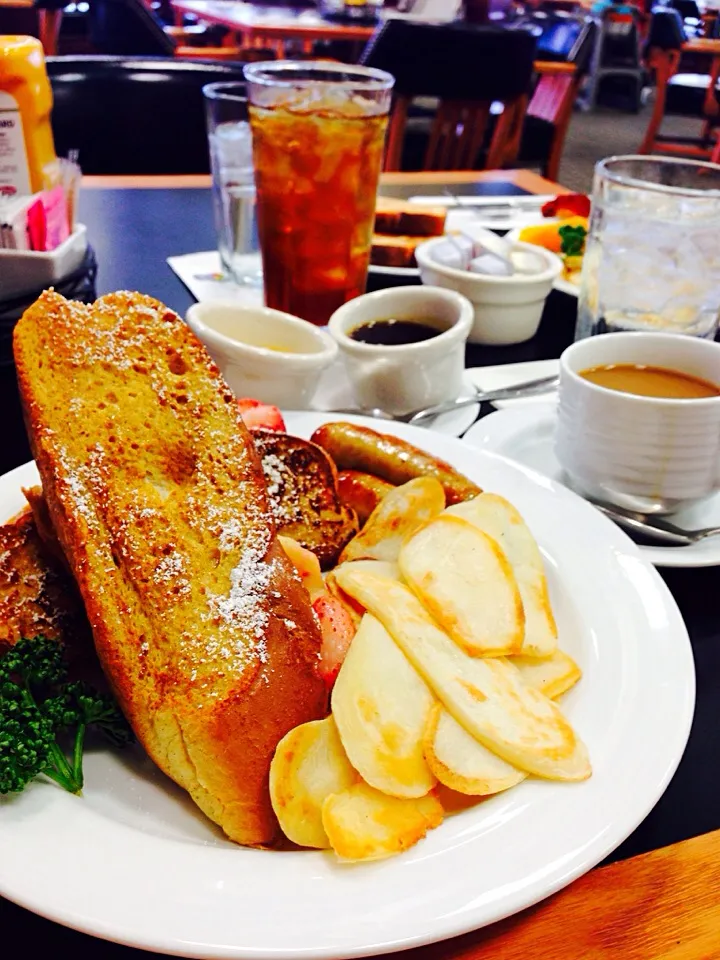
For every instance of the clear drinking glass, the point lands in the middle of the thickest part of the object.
(233, 181)
(652, 257)
(318, 139)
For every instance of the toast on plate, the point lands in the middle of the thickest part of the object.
(400, 228)
(415, 219)
(157, 496)
(39, 598)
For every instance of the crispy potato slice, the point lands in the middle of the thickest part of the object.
(399, 513)
(486, 696)
(306, 564)
(464, 579)
(309, 765)
(381, 707)
(552, 676)
(364, 824)
(461, 763)
(501, 521)
(383, 568)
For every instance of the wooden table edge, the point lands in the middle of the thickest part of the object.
(279, 31)
(525, 179)
(661, 905)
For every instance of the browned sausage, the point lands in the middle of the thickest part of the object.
(392, 459)
(362, 492)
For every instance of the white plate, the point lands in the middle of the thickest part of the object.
(334, 393)
(509, 375)
(134, 861)
(525, 433)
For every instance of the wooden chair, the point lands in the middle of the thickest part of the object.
(677, 93)
(556, 90)
(466, 70)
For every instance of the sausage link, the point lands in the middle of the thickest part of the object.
(392, 459)
(362, 492)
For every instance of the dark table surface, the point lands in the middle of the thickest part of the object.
(133, 232)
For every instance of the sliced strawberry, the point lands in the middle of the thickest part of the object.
(258, 415)
(338, 630)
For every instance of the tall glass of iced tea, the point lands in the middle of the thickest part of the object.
(318, 137)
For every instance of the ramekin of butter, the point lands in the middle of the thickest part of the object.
(262, 353)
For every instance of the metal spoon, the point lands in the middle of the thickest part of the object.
(656, 528)
(528, 389)
(417, 417)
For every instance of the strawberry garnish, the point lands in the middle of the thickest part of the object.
(567, 205)
(257, 415)
(338, 630)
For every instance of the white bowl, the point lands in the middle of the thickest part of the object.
(507, 309)
(263, 353)
(405, 377)
(650, 454)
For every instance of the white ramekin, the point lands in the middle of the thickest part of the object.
(405, 377)
(507, 309)
(263, 353)
(650, 454)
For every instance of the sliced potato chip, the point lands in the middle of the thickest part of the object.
(364, 824)
(399, 513)
(486, 696)
(461, 763)
(309, 765)
(464, 579)
(501, 521)
(552, 676)
(381, 707)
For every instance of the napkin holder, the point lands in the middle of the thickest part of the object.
(25, 271)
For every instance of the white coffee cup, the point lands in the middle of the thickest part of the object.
(405, 377)
(649, 454)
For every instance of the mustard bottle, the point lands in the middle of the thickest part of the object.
(27, 151)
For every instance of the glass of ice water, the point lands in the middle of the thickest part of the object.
(233, 181)
(652, 256)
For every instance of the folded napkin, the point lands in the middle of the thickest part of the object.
(203, 275)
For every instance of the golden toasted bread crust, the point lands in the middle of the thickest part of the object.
(158, 500)
(302, 485)
(38, 598)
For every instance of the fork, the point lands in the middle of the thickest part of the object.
(657, 528)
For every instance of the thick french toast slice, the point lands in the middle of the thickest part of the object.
(39, 598)
(302, 486)
(157, 496)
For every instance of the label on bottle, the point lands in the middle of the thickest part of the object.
(14, 172)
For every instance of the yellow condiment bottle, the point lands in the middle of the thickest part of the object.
(27, 151)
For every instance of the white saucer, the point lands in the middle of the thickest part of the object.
(525, 433)
(334, 393)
